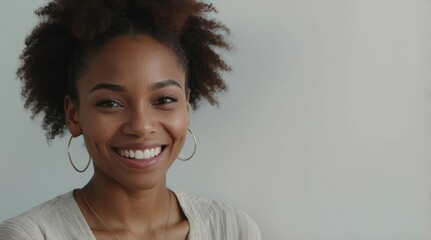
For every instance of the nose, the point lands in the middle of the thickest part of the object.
(140, 121)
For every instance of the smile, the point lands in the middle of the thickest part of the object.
(144, 154)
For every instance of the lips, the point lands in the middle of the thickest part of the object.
(140, 154)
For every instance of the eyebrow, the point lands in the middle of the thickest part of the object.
(119, 88)
(165, 83)
(109, 86)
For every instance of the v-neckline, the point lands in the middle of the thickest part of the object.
(89, 232)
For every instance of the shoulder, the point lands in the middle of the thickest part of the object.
(19, 228)
(220, 220)
(38, 222)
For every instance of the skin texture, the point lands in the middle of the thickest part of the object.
(131, 96)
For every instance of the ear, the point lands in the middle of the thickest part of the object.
(72, 117)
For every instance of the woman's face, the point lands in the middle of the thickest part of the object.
(133, 111)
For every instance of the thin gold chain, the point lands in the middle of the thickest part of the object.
(110, 229)
(95, 214)
(169, 215)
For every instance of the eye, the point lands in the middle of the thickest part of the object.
(108, 103)
(165, 100)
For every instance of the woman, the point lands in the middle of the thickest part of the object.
(123, 74)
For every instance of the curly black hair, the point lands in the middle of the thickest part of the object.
(58, 48)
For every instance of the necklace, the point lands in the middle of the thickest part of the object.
(110, 229)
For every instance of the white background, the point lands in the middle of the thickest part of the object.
(325, 132)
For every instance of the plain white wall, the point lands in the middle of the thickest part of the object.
(325, 132)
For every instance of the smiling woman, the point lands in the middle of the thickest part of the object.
(123, 74)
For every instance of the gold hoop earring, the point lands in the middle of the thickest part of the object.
(194, 149)
(70, 158)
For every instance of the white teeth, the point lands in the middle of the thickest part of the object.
(147, 154)
(140, 154)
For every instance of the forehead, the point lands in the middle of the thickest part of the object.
(134, 57)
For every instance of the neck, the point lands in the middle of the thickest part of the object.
(124, 208)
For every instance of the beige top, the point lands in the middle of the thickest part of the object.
(60, 218)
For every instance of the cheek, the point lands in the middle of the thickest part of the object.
(97, 129)
(177, 127)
